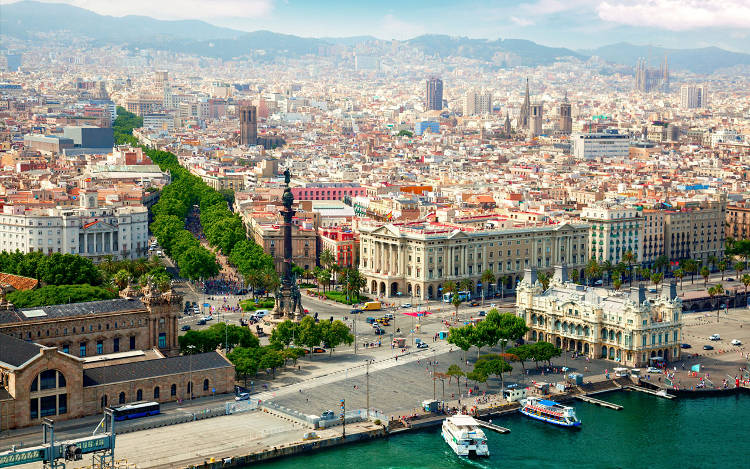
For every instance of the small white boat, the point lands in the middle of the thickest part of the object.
(463, 435)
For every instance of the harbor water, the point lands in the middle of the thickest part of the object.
(649, 432)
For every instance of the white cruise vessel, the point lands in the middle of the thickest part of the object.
(463, 435)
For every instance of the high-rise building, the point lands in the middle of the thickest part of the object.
(248, 125)
(434, 94)
(535, 120)
(477, 103)
(523, 115)
(693, 96)
(566, 118)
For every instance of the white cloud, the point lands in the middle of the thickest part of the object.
(521, 21)
(393, 28)
(677, 15)
(175, 9)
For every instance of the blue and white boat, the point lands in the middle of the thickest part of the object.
(550, 412)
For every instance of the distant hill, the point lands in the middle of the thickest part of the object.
(525, 52)
(705, 60)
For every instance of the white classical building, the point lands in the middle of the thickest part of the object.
(627, 328)
(88, 230)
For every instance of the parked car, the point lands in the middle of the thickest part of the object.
(185, 328)
(652, 369)
(328, 415)
(598, 283)
(736, 342)
(730, 279)
(715, 337)
(243, 396)
(319, 350)
(422, 345)
(708, 347)
(201, 322)
(406, 305)
(686, 346)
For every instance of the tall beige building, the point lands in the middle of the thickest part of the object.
(477, 102)
(535, 120)
(695, 230)
(417, 259)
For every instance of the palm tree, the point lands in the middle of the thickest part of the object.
(617, 283)
(488, 277)
(644, 273)
(465, 284)
(591, 270)
(746, 282)
(456, 302)
(716, 290)
(121, 279)
(712, 260)
(449, 287)
(722, 267)
(705, 273)
(690, 267)
(661, 263)
(544, 279)
(503, 280)
(679, 273)
(607, 268)
(629, 259)
(270, 280)
(739, 267)
(656, 279)
(573, 274)
(326, 258)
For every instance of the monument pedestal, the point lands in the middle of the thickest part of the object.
(288, 304)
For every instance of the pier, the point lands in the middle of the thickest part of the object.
(662, 393)
(599, 402)
(492, 426)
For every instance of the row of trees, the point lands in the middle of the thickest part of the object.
(59, 294)
(123, 126)
(309, 334)
(52, 269)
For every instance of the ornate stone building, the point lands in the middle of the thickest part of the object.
(599, 323)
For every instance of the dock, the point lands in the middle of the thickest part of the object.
(599, 402)
(492, 426)
(663, 394)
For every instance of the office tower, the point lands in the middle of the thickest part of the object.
(523, 115)
(434, 94)
(566, 119)
(693, 96)
(477, 103)
(535, 120)
(248, 125)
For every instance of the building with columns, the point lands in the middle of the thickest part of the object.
(416, 259)
(627, 328)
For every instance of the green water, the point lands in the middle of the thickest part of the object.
(649, 432)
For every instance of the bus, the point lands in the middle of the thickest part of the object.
(464, 295)
(136, 410)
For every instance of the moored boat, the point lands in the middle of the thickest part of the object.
(550, 412)
(463, 435)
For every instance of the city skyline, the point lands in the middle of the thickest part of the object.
(579, 24)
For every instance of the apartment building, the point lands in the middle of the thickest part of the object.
(342, 243)
(738, 221)
(615, 230)
(695, 230)
(88, 230)
(652, 241)
(418, 258)
(267, 231)
(628, 329)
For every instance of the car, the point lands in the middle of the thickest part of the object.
(598, 283)
(708, 347)
(715, 337)
(652, 369)
(379, 331)
(686, 346)
(422, 345)
(474, 303)
(319, 350)
(483, 313)
(201, 322)
(730, 279)
(355, 311)
(185, 328)
(243, 396)
(370, 320)
(736, 342)
(406, 305)
(328, 415)
(388, 316)
(208, 318)
(261, 313)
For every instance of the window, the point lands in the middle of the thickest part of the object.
(99, 347)
(104, 401)
(66, 348)
(205, 385)
(173, 390)
(156, 392)
(139, 395)
(190, 388)
(116, 344)
(82, 349)
(132, 342)
(122, 398)
(162, 339)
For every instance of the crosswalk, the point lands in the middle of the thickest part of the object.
(355, 371)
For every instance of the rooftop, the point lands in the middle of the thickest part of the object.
(108, 374)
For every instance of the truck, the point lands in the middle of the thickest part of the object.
(372, 306)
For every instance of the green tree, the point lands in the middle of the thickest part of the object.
(722, 268)
(656, 279)
(746, 283)
(284, 333)
(573, 274)
(461, 337)
(629, 259)
(198, 262)
(592, 271)
(544, 351)
(705, 273)
(456, 302)
(309, 335)
(503, 279)
(122, 279)
(456, 371)
(617, 283)
(404, 133)
(690, 267)
(272, 359)
(716, 291)
(488, 277)
(493, 364)
(327, 259)
(607, 268)
(509, 327)
(59, 294)
(449, 287)
(466, 285)
(522, 353)
(334, 334)
(679, 274)
(661, 263)
(246, 362)
(738, 268)
(544, 278)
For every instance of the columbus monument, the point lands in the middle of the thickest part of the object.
(288, 298)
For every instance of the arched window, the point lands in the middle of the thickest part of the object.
(190, 388)
(156, 392)
(42, 402)
(205, 385)
(173, 390)
(122, 398)
(139, 395)
(104, 401)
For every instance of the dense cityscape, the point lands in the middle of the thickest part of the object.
(236, 252)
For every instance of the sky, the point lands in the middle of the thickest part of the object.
(578, 24)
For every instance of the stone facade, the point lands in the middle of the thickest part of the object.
(600, 323)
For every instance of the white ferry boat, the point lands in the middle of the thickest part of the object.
(550, 412)
(463, 435)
